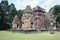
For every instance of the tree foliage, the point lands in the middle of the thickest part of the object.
(6, 19)
(3, 22)
(11, 13)
(56, 12)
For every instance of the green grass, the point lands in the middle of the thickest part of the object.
(5, 35)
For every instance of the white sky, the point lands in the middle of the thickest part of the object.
(46, 4)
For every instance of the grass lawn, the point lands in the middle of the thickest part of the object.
(5, 35)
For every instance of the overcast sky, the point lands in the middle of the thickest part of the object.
(46, 4)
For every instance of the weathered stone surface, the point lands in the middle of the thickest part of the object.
(27, 19)
(36, 19)
(16, 23)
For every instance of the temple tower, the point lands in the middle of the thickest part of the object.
(39, 19)
(27, 19)
(16, 23)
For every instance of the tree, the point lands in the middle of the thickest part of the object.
(56, 12)
(3, 24)
(7, 12)
(11, 13)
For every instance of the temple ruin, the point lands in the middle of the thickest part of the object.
(16, 23)
(34, 19)
(37, 19)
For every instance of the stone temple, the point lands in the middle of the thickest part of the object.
(16, 23)
(37, 19)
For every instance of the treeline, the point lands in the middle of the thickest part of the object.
(7, 18)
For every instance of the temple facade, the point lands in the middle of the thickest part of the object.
(37, 19)
(34, 19)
